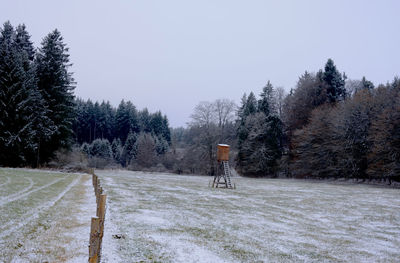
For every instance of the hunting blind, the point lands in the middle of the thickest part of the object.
(222, 178)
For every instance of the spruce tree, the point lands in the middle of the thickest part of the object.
(91, 120)
(24, 42)
(366, 84)
(130, 149)
(85, 148)
(157, 123)
(122, 121)
(248, 107)
(106, 120)
(116, 149)
(81, 121)
(259, 153)
(56, 85)
(265, 104)
(101, 148)
(259, 135)
(161, 145)
(23, 115)
(144, 120)
(126, 120)
(240, 112)
(251, 105)
(166, 132)
(334, 82)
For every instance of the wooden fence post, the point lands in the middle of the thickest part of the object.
(97, 227)
(95, 183)
(94, 241)
(101, 207)
(101, 215)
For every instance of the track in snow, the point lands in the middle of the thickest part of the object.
(23, 194)
(49, 222)
(17, 194)
(7, 182)
(34, 213)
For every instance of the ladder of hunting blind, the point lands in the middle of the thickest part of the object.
(226, 176)
(227, 173)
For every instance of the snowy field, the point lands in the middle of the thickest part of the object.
(171, 218)
(45, 216)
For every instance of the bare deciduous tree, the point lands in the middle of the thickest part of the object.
(280, 94)
(208, 128)
(225, 111)
(203, 114)
(146, 150)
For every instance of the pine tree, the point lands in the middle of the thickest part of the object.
(56, 85)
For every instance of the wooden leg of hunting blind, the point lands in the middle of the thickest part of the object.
(94, 241)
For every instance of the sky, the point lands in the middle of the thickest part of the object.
(170, 55)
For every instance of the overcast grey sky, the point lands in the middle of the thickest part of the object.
(169, 55)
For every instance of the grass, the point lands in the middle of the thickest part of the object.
(170, 218)
(44, 216)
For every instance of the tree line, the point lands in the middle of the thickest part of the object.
(194, 148)
(326, 127)
(253, 130)
(39, 114)
(121, 135)
(353, 133)
(36, 97)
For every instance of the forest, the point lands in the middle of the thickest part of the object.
(327, 126)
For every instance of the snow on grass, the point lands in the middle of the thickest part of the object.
(50, 222)
(171, 218)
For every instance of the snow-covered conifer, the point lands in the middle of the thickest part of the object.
(24, 122)
(56, 85)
